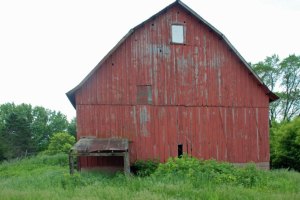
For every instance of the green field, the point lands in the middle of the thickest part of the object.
(46, 177)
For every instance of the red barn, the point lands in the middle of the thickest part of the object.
(175, 84)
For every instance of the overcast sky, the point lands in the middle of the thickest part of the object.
(48, 47)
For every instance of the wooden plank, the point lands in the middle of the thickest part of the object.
(100, 154)
(126, 163)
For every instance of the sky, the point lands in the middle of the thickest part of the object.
(48, 47)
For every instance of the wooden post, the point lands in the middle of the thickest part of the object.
(71, 163)
(126, 163)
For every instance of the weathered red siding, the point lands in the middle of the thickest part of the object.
(230, 134)
(202, 96)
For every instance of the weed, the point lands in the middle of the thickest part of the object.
(46, 177)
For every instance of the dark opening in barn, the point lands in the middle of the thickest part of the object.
(180, 152)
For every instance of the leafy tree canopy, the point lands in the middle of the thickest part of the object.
(285, 145)
(282, 77)
(60, 143)
(27, 130)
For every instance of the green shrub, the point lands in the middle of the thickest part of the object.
(60, 143)
(285, 145)
(144, 168)
(248, 176)
(178, 166)
(199, 172)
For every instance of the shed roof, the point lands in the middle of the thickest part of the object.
(90, 145)
(272, 96)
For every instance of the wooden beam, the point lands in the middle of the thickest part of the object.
(99, 154)
(126, 163)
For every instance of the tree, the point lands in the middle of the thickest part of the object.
(284, 78)
(72, 127)
(27, 130)
(60, 143)
(16, 130)
(57, 122)
(268, 70)
(4, 147)
(45, 123)
(290, 83)
(40, 129)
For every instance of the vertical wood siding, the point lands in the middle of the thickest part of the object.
(202, 96)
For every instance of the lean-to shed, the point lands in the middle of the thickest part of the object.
(175, 84)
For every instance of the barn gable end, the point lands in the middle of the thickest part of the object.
(272, 96)
(200, 95)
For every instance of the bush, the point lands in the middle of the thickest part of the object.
(202, 172)
(60, 143)
(178, 166)
(144, 168)
(286, 146)
(248, 176)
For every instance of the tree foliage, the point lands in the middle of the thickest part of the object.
(60, 143)
(72, 127)
(25, 129)
(15, 130)
(46, 122)
(283, 77)
(285, 145)
(290, 83)
(268, 70)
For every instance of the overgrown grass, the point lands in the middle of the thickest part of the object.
(47, 177)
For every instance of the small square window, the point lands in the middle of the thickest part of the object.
(177, 34)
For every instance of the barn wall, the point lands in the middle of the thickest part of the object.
(202, 96)
(228, 134)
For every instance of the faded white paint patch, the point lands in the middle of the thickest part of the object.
(144, 119)
(257, 133)
(219, 86)
(133, 115)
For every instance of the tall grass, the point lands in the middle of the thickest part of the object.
(47, 177)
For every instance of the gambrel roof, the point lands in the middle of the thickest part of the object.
(272, 96)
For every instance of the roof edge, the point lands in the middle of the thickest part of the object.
(70, 94)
